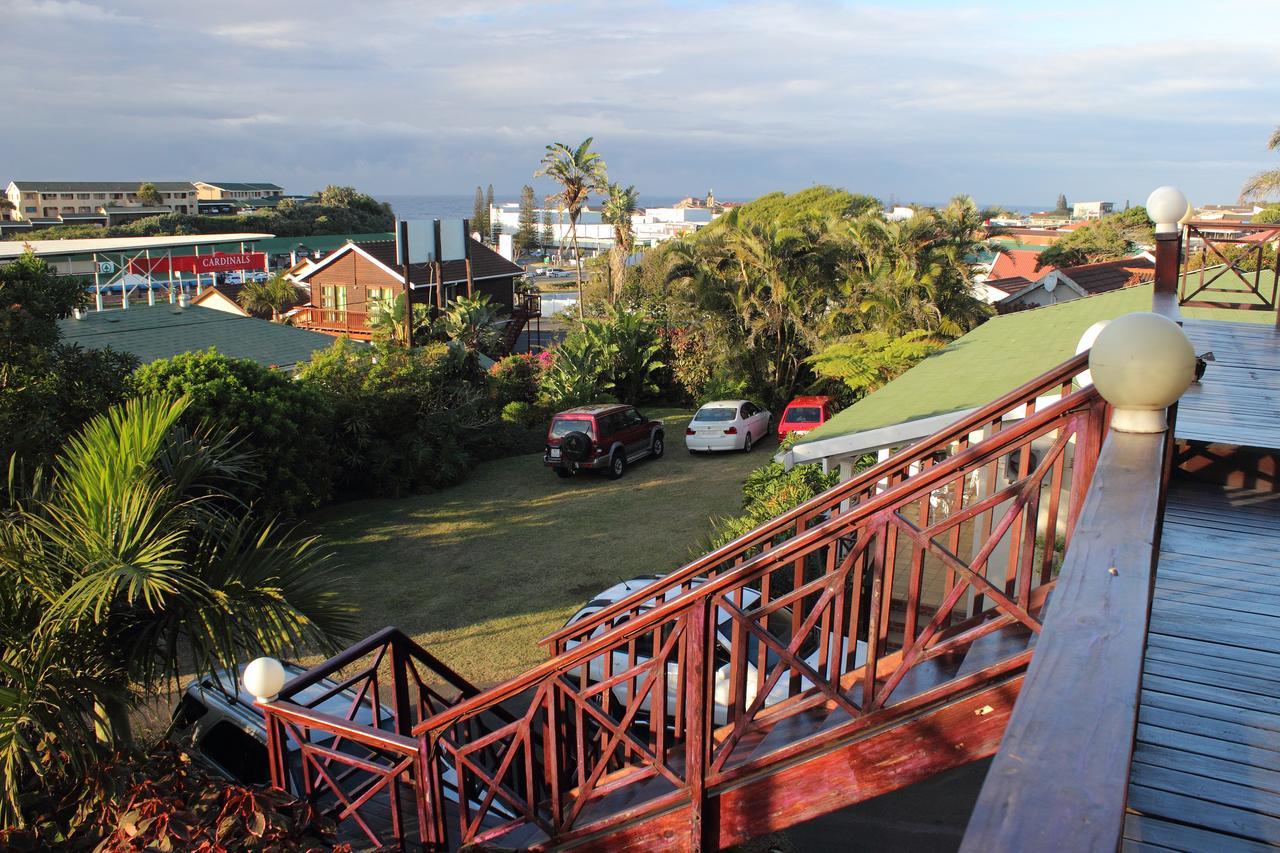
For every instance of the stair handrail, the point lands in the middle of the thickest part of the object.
(582, 653)
(896, 466)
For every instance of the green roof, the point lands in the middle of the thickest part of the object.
(318, 242)
(997, 357)
(153, 332)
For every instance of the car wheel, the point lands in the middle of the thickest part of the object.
(657, 448)
(617, 465)
(746, 444)
(563, 472)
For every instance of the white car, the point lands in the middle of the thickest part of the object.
(778, 623)
(727, 425)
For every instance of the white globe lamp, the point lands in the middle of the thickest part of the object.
(1165, 206)
(1189, 215)
(1085, 379)
(264, 678)
(1141, 364)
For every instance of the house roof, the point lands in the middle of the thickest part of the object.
(102, 186)
(1106, 276)
(228, 291)
(485, 263)
(240, 186)
(161, 331)
(996, 357)
(1011, 284)
(1009, 263)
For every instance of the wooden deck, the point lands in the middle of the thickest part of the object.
(1206, 761)
(1238, 401)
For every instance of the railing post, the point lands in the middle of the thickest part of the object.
(1167, 262)
(431, 814)
(697, 722)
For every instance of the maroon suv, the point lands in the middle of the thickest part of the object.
(606, 437)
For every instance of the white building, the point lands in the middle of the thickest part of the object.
(1091, 209)
(652, 225)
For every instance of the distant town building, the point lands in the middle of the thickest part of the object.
(1091, 209)
(95, 202)
(231, 190)
(651, 225)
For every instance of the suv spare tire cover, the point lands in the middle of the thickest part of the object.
(575, 446)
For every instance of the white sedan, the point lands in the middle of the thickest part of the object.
(727, 425)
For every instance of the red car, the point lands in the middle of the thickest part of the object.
(606, 437)
(803, 414)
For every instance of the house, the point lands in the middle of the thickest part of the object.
(153, 332)
(222, 297)
(1062, 285)
(347, 284)
(1011, 271)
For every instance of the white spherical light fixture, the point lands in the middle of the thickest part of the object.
(1165, 206)
(1189, 215)
(1085, 379)
(264, 678)
(1141, 364)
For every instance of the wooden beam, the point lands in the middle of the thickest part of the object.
(1060, 779)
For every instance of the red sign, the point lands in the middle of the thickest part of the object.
(199, 263)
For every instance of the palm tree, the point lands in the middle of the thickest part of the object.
(619, 206)
(148, 195)
(1262, 185)
(471, 322)
(275, 296)
(579, 172)
(127, 563)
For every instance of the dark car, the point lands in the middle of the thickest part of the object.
(604, 437)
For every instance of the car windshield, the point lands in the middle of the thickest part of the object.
(561, 427)
(715, 414)
(804, 415)
(778, 623)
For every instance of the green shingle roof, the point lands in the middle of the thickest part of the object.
(153, 332)
(995, 358)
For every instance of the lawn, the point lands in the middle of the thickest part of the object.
(480, 572)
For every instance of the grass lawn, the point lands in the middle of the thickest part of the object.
(480, 572)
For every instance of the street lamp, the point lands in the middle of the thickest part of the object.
(1141, 364)
(263, 678)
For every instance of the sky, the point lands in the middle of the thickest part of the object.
(914, 101)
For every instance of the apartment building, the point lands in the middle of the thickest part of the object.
(95, 201)
(236, 191)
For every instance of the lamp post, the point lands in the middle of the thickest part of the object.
(1167, 206)
(1141, 363)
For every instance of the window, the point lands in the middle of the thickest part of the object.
(84, 208)
(237, 752)
(561, 427)
(31, 196)
(188, 711)
(749, 410)
(68, 209)
(99, 195)
(117, 195)
(29, 209)
(715, 414)
(632, 417)
(377, 298)
(82, 195)
(804, 415)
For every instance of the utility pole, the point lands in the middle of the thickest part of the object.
(403, 233)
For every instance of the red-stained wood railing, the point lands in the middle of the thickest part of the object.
(1073, 726)
(1230, 265)
(989, 419)
(907, 600)
(333, 320)
(363, 765)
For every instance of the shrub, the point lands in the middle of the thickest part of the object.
(575, 375)
(165, 801)
(515, 379)
(283, 422)
(403, 420)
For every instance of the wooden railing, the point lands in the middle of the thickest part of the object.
(363, 765)
(333, 320)
(921, 456)
(1073, 726)
(934, 586)
(1230, 265)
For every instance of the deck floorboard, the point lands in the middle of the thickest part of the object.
(1206, 762)
(1246, 366)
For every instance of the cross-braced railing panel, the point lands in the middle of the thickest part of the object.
(1230, 265)
(1008, 409)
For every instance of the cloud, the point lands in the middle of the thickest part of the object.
(920, 99)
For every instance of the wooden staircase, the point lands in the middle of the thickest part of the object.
(874, 636)
(527, 307)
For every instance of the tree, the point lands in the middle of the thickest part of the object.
(526, 236)
(480, 215)
(619, 206)
(1115, 236)
(579, 172)
(386, 321)
(471, 322)
(865, 362)
(126, 564)
(492, 225)
(1062, 203)
(546, 236)
(274, 296)
(1265, 184)
(148, 195)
